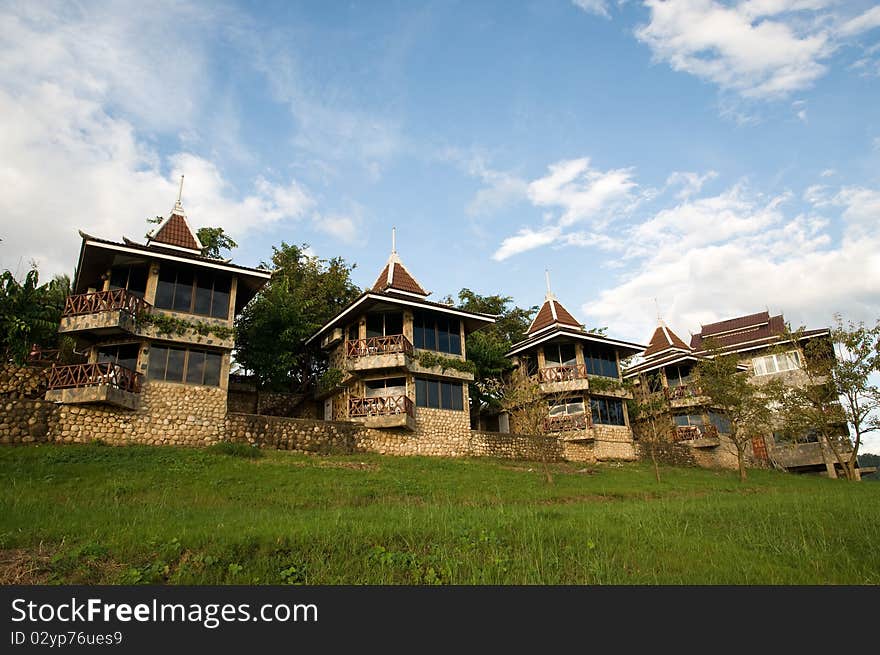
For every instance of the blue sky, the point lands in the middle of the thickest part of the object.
(710, 158)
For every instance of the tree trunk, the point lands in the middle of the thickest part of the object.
(741, 461)
(654, 451)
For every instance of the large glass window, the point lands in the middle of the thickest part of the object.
(600, 362)
(185, 289)
(385, 387)
(437, 332)
(567, 406)
(181, 364)
(720, 421)
(125, 354)
(684, 420)
(132, 277)
(384, 324)
(776, 363)
(607, 411)
(678, 376)
(439, 395)
(560, 354)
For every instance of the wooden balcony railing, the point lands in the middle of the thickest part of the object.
(105, 301)
(565, 422)
(395, 343)
(380, 406)
(562, 373)
(91, 375)
(683, 391)
(693, 432)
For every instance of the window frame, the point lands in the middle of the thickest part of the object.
(775, 358)
(209, 355)
(598, 416)
(430, 389)
(194, 287)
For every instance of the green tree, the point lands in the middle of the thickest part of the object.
(486, 347)
(836, 390)
(30, 313)
(214, 239)
(304, 293)
(745, 404)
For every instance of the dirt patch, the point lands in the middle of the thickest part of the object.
(19, 566)
(356, 466)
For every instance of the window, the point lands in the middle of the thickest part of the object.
(385, 387)
(600, 363)
(569, 406)
(608, 411)
(437, 332)
(133, 278)
(720, 421)
(776, 363)
(384, 324)
(530, 362)
(185, 289)
(125, 354)
(678, 376)
(181, 364)
(560, 354)
(353, 331)
(439, 395)
(689, 419)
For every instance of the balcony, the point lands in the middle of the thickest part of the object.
(102, 312)
(378, 352)
(106, 382)
(697, 436)
(572, 427)
(563, 378)
(685, 395)
(383, 412)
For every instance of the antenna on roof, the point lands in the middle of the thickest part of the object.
(393, 240)
(659, 314)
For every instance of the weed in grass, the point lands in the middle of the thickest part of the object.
(235, 449)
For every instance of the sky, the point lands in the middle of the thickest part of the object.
(695, 159)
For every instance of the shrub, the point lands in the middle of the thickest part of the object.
(235, 449)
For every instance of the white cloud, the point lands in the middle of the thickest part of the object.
(690, 183)
(598, 7)
(755, 49)
(526, 239)
(580, 191)
(861, 23)
(78, 89)
(738, 252)
(828, 172)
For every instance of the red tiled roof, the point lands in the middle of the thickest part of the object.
(176, 232)
(546, 316)
(400, 280)
(664, 339)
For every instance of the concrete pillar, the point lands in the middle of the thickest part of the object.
(152, 283)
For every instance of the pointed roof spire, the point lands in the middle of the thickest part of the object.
(175, 230)
(665, 339)
(395, 276)
(552, 312)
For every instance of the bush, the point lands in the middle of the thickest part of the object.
(235, 449)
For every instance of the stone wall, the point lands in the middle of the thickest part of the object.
(268, 403)
(24, 420)
(169, 414)
(613, 442)
(22, 381)
(438, 432)
(300, 435)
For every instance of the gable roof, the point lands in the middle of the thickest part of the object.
(552, 312)
(665, 339)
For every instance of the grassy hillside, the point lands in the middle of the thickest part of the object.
(96, 514)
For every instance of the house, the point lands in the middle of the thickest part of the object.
(578, 372)
(759, 341)
(667, 392)
(398, 361)
(155, 322)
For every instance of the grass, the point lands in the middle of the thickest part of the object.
(97, 514)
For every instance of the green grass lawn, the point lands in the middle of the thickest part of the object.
(98, 514)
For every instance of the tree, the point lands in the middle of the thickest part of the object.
(650, 417)
(30, 313)
(837, 390)
(486, 347)
(744, 403)
(214, 239)
(304, 293)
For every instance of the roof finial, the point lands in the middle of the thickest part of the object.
(550, 295)
(659, 314)
(178, 207)
(393, 240)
